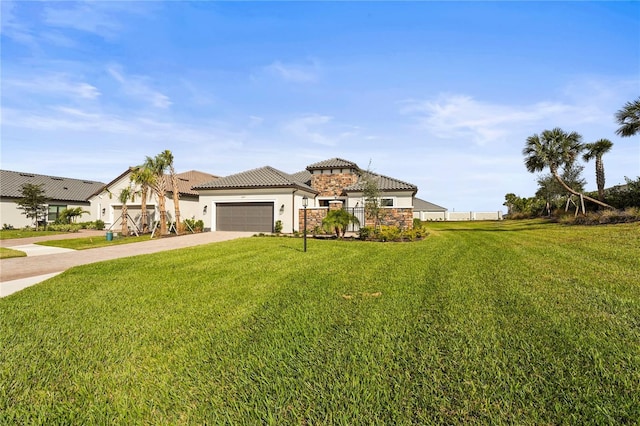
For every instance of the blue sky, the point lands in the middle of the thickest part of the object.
(439, 94)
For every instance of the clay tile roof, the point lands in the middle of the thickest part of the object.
(333, 163)
(54, 187)
(303, 176)
(385, 183)
(187, 180)
(263, 177)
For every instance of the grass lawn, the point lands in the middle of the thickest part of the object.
(7, 234)
(489, 323)
(93, 242)
(6, 253)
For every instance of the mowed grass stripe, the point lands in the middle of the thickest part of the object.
(479, 323)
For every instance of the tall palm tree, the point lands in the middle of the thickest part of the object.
(629, 119)
(157, 165)
(145, 178)
(555, 149)
(126, 194)
(168, 157)
(597, 150)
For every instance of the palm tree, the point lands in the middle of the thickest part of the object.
(168, 157)
(145, 178)
(629, 119)
(157, 165)
(338, 221)
(126, 194)
(597, 150)
(555, 149)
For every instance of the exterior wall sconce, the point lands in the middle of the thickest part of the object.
(282, 209)
(103, 210)
(204, 210)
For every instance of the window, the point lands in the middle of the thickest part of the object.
(386, 202)
(54, 212)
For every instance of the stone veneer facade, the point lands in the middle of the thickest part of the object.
(400, 217)
(333, 184)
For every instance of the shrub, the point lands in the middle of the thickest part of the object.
(365, 232)
(64, 227)
(6, 227)
(278, 227)
(194, 225)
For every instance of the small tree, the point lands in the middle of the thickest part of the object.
(32, 202)
(597, 150)
(338, 221)
(157, 166)
(70, 215)
(371, 195)
(126, 194)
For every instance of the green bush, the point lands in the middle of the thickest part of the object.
(64, 227)
(195, 225)
(278, 227)
(365, 232)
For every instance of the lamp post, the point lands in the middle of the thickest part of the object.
(305, 203)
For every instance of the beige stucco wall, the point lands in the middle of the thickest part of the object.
(286, 202)
(11, 215)
(106, 205)
(401, 199)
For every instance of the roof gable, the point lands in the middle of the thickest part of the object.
(385, 183)
(333, 163)
(54, 187)
(263, 177)
(422, 205)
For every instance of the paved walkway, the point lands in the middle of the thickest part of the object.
(21, 272)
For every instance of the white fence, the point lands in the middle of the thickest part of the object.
(458, 216)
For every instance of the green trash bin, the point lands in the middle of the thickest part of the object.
(109, 235)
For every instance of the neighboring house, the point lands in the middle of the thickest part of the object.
(60, 192)
(106, 205)
(255, 199)
(424, 210)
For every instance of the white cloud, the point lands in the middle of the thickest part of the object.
(297, 73)
(308, 129)
(138, 87)
(60, 84)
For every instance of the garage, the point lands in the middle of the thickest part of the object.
(249, 217)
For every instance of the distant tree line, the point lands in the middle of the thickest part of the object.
(563, 188)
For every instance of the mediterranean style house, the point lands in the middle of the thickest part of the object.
(61, 193)
(105, 203)
(255, 200)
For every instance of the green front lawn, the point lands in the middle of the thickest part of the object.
(93, 242)
(485, 323)
(6, 253)
(8, 234)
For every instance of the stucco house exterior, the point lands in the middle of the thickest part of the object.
(61, 193)
(105, 203)
(255, 199)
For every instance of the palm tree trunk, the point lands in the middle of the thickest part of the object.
(125, 222)
(600, 177)
(176, 199)
(574, 192)
(143, 204)
(163, 215)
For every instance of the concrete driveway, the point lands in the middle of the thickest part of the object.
(43, 263)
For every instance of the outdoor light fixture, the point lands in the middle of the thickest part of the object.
(204, 210)
(103, 210)
(305, 203)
